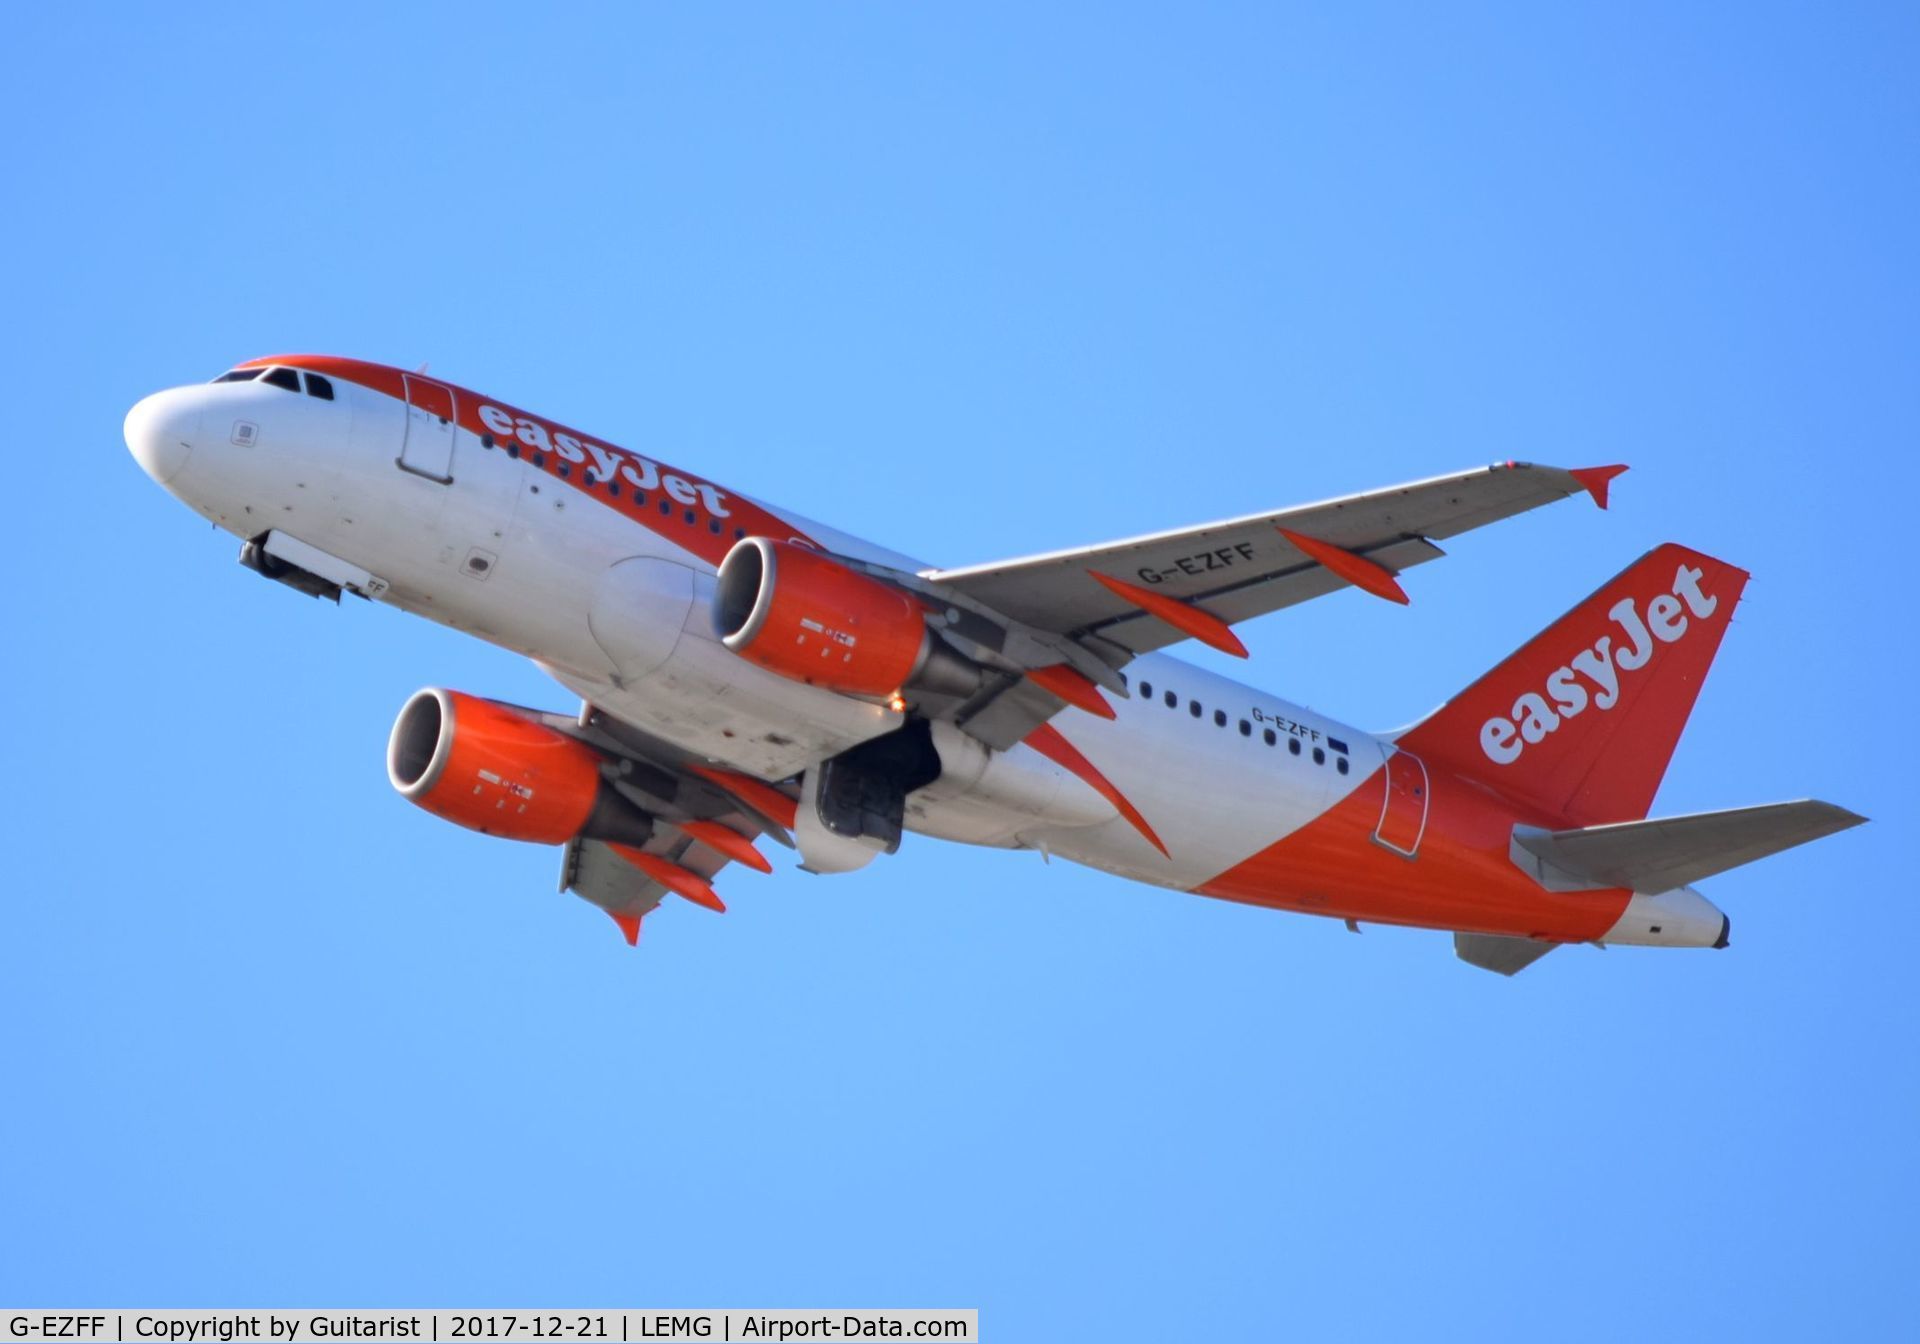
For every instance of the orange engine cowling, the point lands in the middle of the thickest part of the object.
(804, 615)
(492, 769)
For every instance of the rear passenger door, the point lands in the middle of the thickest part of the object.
(1403, 811)
(428, 448)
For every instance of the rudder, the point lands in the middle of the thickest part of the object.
(1582, 721)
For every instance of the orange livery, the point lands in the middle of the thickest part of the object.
(745, 674)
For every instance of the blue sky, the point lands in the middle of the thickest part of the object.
(972, 281)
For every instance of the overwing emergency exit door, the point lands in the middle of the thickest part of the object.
(1403, 812)
(428, 448)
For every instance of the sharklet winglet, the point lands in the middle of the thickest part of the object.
(1595, 480)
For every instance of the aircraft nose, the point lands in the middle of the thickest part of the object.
(161, 429)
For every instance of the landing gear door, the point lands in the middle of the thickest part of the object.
(1403, 812)
(427, 449)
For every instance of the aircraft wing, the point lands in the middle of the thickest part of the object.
(591, 870)
(710, 816)
(1246, 567)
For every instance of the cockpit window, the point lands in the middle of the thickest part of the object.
(286, 378)
(238, 376)
(319, 387)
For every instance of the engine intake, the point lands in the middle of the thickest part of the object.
(492, 769)
(806, 616)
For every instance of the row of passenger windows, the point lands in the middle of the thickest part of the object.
(282, 377)
(1268, 735)
(612, 484)
(320, 387)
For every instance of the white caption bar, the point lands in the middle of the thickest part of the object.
(484, 1327)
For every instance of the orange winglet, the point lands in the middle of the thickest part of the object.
(727, 841)
(1594, 480)
(762, 798)
(1355, 569)
(1073, 687)
(680, 881)
(629, 927)
(1182, 616)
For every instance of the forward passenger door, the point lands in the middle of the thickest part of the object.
(427, 449)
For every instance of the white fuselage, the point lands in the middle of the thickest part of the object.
(600, 565)
(618, 613)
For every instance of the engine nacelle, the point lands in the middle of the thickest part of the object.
(806, 616)
(492, 769)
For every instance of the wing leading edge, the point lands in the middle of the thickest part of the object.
(1245, 567)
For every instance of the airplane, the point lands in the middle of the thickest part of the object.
(746, 673)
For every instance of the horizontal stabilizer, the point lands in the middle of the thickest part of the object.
(1491, 952)
(1664, 853)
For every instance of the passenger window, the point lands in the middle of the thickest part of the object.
(1246, 729)
(1319, 756)
(238, 376)
(1146, 688)
(1293, 746)
(1269, 737)
(1193, 708)
(1341, 765)
(613, 488)
(1219, 718)
(1173, 701)
(319, 387)
(286, 378)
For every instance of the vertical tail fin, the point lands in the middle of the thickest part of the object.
(1582, 721)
